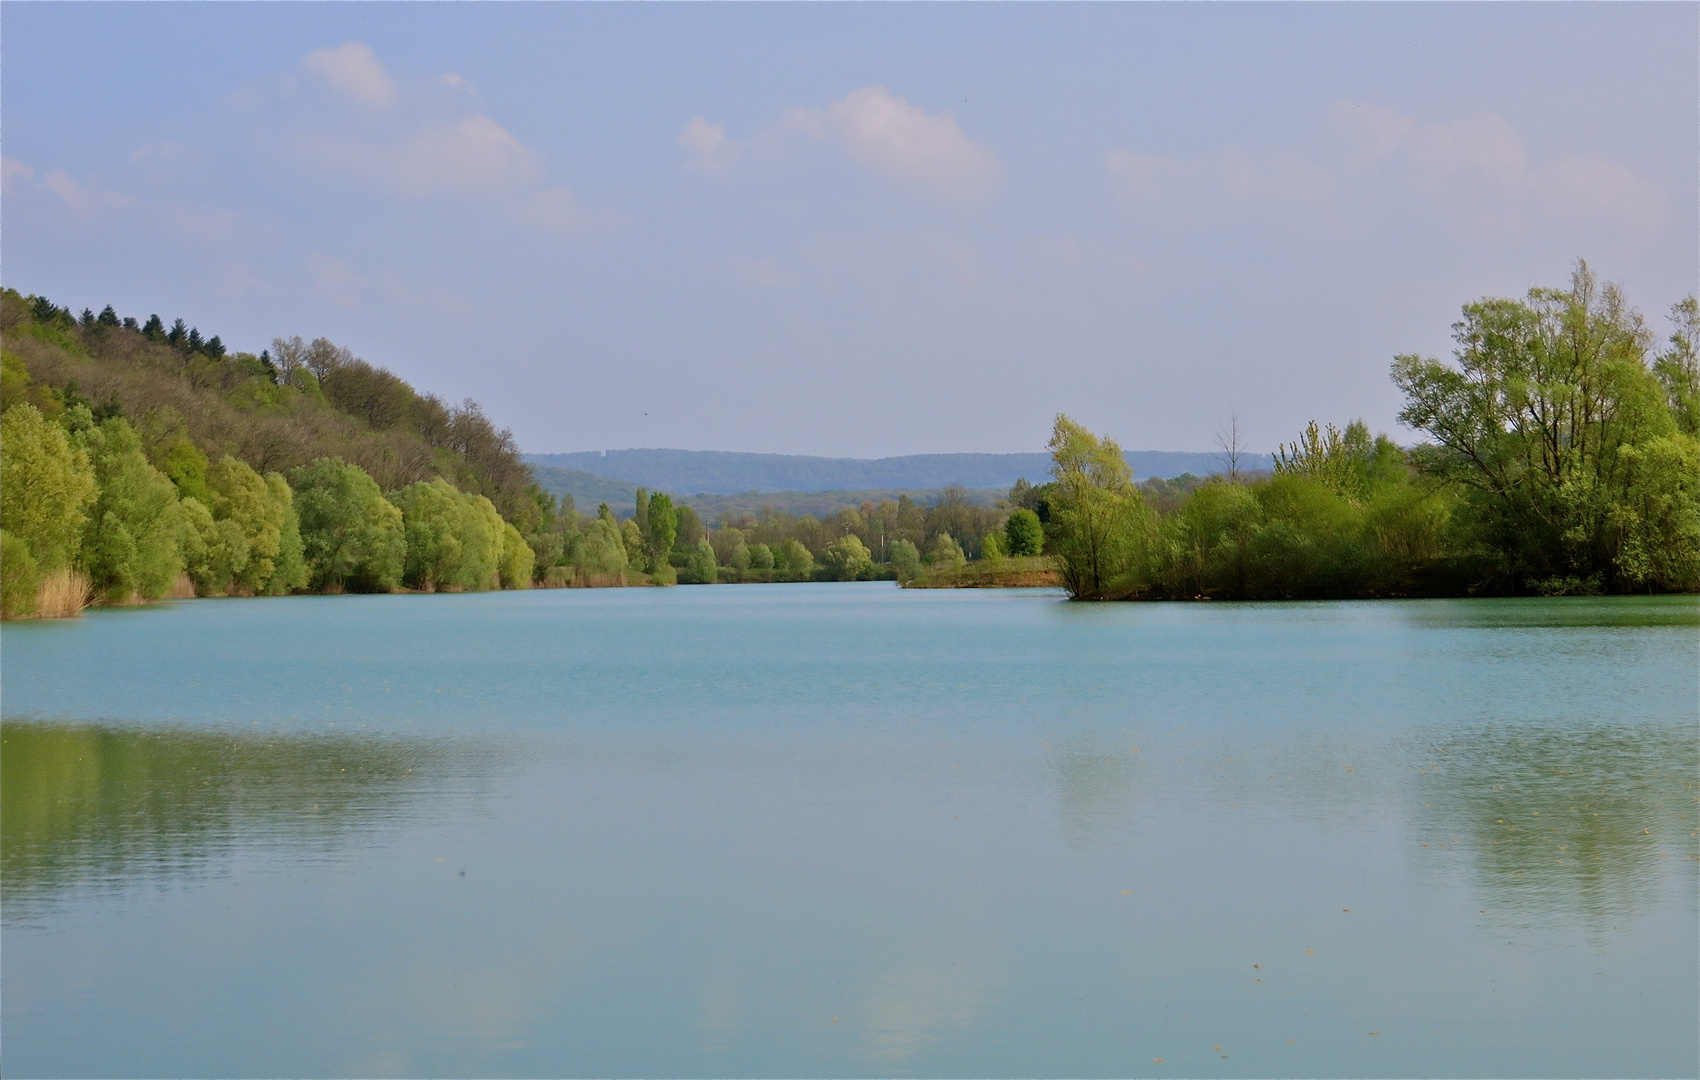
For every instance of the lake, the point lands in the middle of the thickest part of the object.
(848, 829)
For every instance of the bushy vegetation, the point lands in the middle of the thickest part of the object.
(1564, 460)
(142, 462)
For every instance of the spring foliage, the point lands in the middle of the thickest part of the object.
(1563, 460)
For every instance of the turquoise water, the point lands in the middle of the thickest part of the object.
(852, 830)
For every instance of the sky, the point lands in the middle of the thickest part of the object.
(853, 229)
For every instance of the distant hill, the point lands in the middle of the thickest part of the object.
(717, 472)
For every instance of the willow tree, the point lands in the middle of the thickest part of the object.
(1101, 529)
(1578, 473)
(353, 536)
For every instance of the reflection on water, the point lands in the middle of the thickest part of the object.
(1585, 818)
(852, 830)
(102, 804)
(1094, 783)
(1582, 612)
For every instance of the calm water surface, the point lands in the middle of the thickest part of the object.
(851, 830)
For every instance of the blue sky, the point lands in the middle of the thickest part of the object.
(856, 229)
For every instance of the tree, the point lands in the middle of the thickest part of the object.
(906, 560)
(1023, 535)
(661, 530)
(263, 508)
(602, 556)
(214, 552)
(1678, 367)
(20, 577)
(516, 562)
(132, 546)
(354, 539)
(699, 568)
(1549, 420)
(1102, 527)
(847, 558)
(689, 528)
(761, 557)
(46, 487)
(1232, 444)
(794, 559)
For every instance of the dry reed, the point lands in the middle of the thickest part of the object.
(63, 595)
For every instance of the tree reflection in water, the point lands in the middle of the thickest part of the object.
(1592, 819)
(103, 805)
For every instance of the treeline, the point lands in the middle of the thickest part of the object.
(141, 461)
(1564, 459)
(667, 543)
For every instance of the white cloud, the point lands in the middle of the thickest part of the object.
(469, 156)
(456, 82)
(11, 168)
(337, 284)
(1372, 132)
(1230, 181)
(707, 144)
(353, 71)
(893, 137)
(1478, 171)
(85, 201)
(555, 210)
(928, 152)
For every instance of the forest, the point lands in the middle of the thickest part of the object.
(1561, 458)
(142, 462)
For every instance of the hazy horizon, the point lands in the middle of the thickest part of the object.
(853, 230)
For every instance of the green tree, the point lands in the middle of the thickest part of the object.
(1102, 528)
(761, 557)
(516, 563)
(20, 577)
(690, 528)
(906, 560)
(46, 487)
(632, 536)
(944, 553)
(699, 568)
(795, 559)
(480, 529)
(431, 517)
(1548, 420)
(661, 530)
(602, 556)
(181, 460)
(214, 552)
(1023, 535)
(847, 558)
(263, 507)
(354, 539)
(132, 546)
(1678, 367)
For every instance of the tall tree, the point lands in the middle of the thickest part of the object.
(1551, 420)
